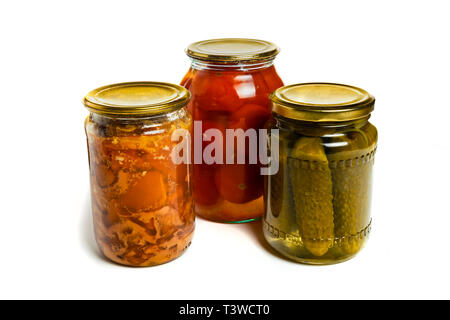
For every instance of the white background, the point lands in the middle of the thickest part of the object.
(53, 52)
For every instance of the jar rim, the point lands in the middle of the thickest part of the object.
(232, 50)
(142, 98)
(322, 102)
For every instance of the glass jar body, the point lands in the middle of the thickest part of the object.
(229, 96)
(318, 203)
(141, 200)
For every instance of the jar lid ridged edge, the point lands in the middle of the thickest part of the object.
(268, 53)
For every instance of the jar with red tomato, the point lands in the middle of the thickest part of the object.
(230, 81)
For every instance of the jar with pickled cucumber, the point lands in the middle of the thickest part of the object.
(317, 205)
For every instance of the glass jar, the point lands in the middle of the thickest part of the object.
(230, 81)
(318, 203)
(141, 200)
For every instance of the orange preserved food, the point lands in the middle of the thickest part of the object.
(230, 81)
(141, 200)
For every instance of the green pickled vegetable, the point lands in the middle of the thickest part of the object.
(277, 181)
(351, 192)
(287, 218)
(281, 199)
(277, 186)
(313, 194)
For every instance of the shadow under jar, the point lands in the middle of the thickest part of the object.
(318, 203)
(230, 81)
(141, 200)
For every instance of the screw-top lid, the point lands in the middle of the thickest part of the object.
(232, 50)
(137, 99)
(322, 102)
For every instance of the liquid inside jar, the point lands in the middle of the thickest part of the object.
(141, 200)
(230, 97)
(318, 204)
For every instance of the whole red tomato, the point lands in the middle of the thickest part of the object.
(214, 91)
(205, 191)
(271, 78)
(239, 183)
(249, 116)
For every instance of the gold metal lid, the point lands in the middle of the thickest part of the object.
(232, 50)
(144, 98)
(322, 102)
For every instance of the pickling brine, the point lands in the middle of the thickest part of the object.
(318, 203)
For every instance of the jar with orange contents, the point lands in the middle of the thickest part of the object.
(230, 81)
(141, 199)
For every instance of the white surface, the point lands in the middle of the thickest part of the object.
(54, 52)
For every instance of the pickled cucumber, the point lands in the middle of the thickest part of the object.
(276, 195)
(286, 220)
(312, 192)
(351, 191)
